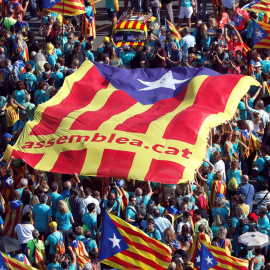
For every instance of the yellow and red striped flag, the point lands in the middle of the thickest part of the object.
(81, 253)
(13, 217)
(262, 6)
(175, 33)
(64, 7)
(124, 246)
(219, 259)
(13, 264)
(145, 124)
(39, 259)
(217, 188)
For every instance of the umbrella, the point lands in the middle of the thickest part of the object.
(8, 244)
(255, 240)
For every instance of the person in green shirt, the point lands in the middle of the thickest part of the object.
(35, 243)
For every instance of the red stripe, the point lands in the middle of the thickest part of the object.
(146, 249)
(139, 258)
(115, 163)
(77, 5)
(13, 264)
(263, 44)
(142, 26)
(64, 164)
(126, 24)
(91, 120)
(168, 171)
(186, 124)
(117, 260)
(142, 236)
(140, 122)
(134, 25)
(60, 11)
(53, 115)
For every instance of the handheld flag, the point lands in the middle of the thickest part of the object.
(39, 259)
(175, 33)
(81, 253)
(261, 35)
(124, 246)
(215, 257)
(259, 6)
(64, 7)
(7, 263)
(137, 124)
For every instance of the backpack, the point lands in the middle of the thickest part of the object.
(27, 84)
(154, 233)
(115, 212)
(265, 173)
(12, 78)
(232, 185)
(243, 222)
(253, 227)
(60, 246)
(202, 203)
(141, 208)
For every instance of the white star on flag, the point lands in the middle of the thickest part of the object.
(115, 241)
(259, 34)
(166, 81)
(51, 1)
(209, 260)
(198, 259)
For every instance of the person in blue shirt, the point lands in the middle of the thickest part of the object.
(131, 210)
(42, 214)
(29, 76)
(127, 55)
(66, 192)
(90, 220)
(266, 62)
(66, 265)
(64, 219)
(151, 231)
(55, 264)
(260, 162)
(140, 197)
(52, 239)
(50, 55)
(89, 54)
(24, 183)
(56, 197)
(20, 124)
(89, 244)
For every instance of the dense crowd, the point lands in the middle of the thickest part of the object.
(43, 210)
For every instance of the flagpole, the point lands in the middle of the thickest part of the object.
(63, 26)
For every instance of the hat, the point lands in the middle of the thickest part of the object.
(219, 195)
(53, 224)
(173, 44)
(106, 39)
(22, 113)
(258, 64)
(253, 216)
(50, 48)
(125, 47)
(7, 135)
(120, 183)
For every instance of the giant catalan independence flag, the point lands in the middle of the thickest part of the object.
(64, 7)
(124, 246)
(146, 124)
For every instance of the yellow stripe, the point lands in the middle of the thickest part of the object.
(18, 263)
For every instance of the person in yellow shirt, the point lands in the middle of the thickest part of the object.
(12, 112)
(243, 206)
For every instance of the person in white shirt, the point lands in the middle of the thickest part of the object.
(89, 199)
(219, 165)
(24, 231)
(262, 197)
(186, 221)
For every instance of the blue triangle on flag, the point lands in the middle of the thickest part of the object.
(258, 33)
(112, 242)
(3, 265)
(207, 259)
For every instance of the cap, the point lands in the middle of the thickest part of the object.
(125, 47)
(7, 135)
(173, 44)
(22, 113)
(258, 64)
(253, 216)
(53, 224)
(50, 48)
(120, 183)
(106, 39)
(219, 195)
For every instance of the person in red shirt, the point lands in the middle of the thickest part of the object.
(236, 44)
(222, 17)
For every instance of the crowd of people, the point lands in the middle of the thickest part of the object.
(46, 210)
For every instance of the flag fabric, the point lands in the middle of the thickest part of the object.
(259, 6)
(8, 188)
(81, 253)
(175, 33)
(217, 187)
(89, 22)
(64, 7)
(8, 263)
(251, 140)
(261, 35)
(116, 5)
(23, 259)
(39, 259)
(15, 6)
(245, 49)
(124, 202)
(145, 124)
(13, 217)
(196, 245)
(124, 246)
(267, 88)
(211, 257)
